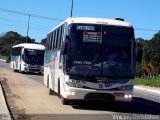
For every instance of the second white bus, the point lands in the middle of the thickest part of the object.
(27, 57)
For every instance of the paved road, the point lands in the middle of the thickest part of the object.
(143, 102)
(6, 66)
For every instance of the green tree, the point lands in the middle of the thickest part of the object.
(10, 39)
(151, 53)
(43, 41)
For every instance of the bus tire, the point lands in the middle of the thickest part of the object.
(21, 70)
(14, 70)
(64, 101)
(48, 81)
(51, 92)
(40, 73)
(59, 90)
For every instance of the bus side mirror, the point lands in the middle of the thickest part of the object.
(60, 65)
(65, 46)
(64, 49)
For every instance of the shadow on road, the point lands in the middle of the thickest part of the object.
(33, 73)
(137, 106)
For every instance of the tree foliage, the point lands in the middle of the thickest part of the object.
(151, 53)
(43, 41)
(10, 39)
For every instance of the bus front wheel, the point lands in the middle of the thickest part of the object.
(51, 92)
(21, 70)
(14, 70)
(64, 101)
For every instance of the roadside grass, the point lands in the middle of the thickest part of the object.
(147, 82)
(2, 57)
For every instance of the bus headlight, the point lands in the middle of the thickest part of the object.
(127, 96)
(70, 93)
(25, 65)
(126, 87)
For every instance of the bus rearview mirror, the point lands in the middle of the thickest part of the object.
(60, 65)
(65, 46)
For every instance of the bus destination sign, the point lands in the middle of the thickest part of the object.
(91, 28)
(92, 37)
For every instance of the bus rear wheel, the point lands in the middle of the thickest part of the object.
(51, 92)
(21, 70)
(14, 68)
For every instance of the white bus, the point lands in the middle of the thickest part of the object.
(27, 57)
(91, 59)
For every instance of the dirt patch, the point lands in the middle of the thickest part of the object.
(16, 113)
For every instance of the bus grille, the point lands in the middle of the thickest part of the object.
(99, 96)
(34, 69)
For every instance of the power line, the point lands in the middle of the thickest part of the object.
(22, 27)
(59, 19)
(40, 26)
(28, 14)
(147, 30)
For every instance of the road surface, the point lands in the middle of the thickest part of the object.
(27, 95)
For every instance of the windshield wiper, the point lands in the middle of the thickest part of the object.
(93, 63)
(112, 68)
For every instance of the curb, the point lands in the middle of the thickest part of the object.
(2, 60)
(4, 108)
(4, 111)
(149, 89)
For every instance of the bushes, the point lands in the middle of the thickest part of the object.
(148, 82)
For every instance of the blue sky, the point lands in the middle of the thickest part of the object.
(142, 14)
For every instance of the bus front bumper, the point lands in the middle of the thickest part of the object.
(89, 94)
(33, 69)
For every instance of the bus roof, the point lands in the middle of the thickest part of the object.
(30, 46)
(100, 21)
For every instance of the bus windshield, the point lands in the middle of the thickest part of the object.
(96, 50)
(33, 57)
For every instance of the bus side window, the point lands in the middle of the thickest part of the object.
(47, 42)
(55, 39)
(60, 61)
(58, 40)
(62, 35)
(64, 63)
(51, 41)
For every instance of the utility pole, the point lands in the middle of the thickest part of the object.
(29, 15)
(71, 9)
